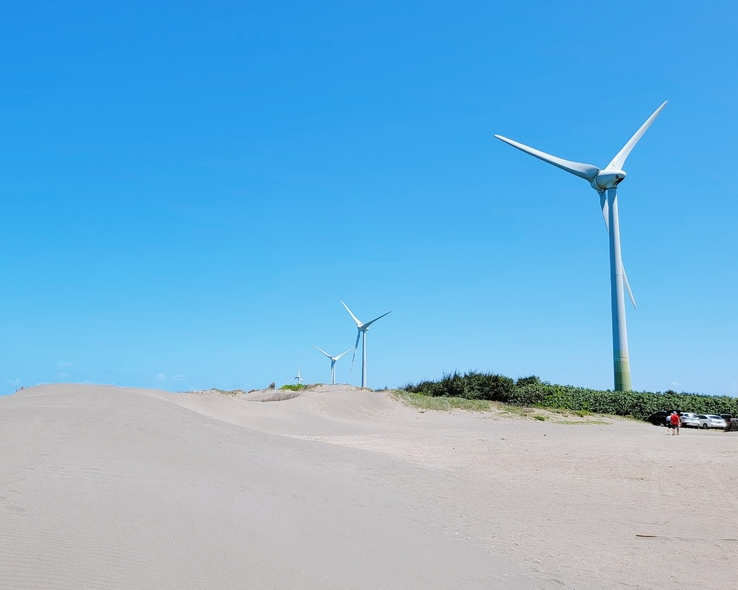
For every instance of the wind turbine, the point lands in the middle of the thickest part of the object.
(605, 182)
(361, 333)
(333, 362)
(297, 377)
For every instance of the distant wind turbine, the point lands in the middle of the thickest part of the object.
(605, 182)
(361, 333)
(334, 359)
(297, 377)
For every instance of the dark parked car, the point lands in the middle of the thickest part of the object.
(659, 418)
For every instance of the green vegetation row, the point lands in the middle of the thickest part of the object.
(531, 391)
(293, 387)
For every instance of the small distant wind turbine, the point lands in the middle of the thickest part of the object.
(362, 328)
(605, 182)
(334, 359)
(297, 378)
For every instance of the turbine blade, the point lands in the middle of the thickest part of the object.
(605, 210)
(321, 350)
(606, 214)
(345, 352)
(365, 326)
(627, 288)
(356, 346)
(619, 161)
(358, 323)
(586, 171)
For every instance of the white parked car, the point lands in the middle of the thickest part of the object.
(689, 420)
(710, 421)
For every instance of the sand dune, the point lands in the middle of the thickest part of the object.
(104, 487)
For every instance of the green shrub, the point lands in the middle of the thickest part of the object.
(472, 385)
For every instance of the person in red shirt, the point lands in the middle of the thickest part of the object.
(676, 422)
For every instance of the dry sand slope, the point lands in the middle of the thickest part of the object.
(104, 487)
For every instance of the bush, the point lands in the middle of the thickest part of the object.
(472, 385)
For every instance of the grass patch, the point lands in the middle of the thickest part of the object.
(280, 396)
(428, 402)
(568, 413)
(294, 387)
(519, 411)
(230, 392)
(444, 404)
(588, 421)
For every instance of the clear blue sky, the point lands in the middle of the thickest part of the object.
(188, 190)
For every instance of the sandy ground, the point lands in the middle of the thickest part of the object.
(104, 487)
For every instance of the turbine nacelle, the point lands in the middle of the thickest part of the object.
(607, 179)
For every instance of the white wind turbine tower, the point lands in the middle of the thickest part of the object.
(334, 359)
(605, 182)
(362, 328)
(297, 378)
